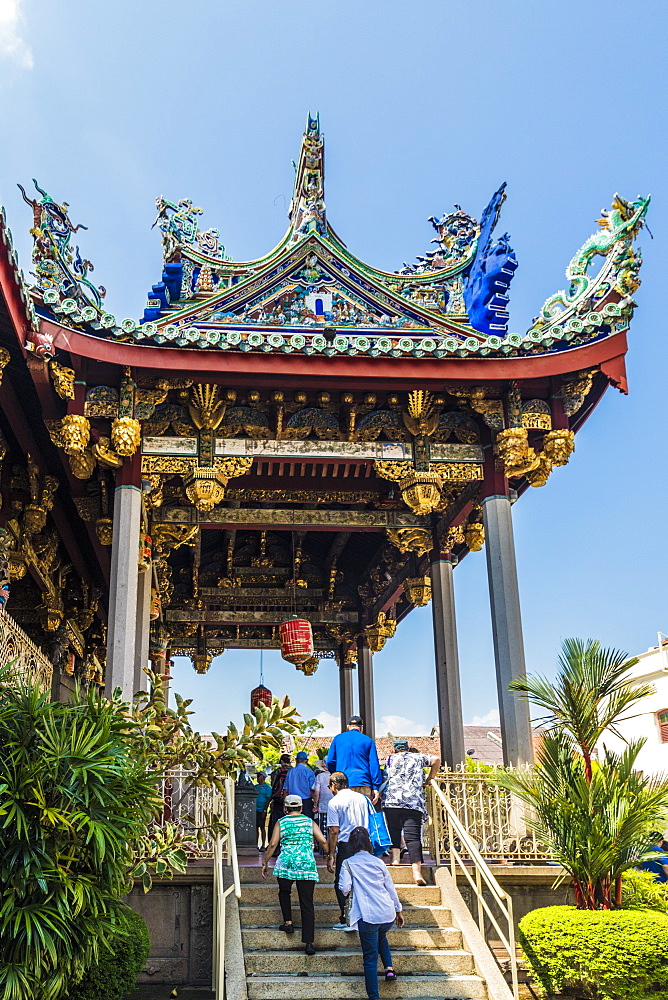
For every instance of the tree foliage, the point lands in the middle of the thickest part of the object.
(80, 815)
(596, 815)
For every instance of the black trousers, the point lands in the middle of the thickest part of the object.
(307, 808)
(343, 851)
(305, 892)
(410, 821)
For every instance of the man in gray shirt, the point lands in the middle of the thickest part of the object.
(347, 810)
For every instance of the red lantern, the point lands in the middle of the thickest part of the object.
(260, 696)
(296, 641)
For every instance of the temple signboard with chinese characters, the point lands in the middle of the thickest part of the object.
(299, 435)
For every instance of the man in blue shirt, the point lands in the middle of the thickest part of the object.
(658, 865)
(355, 754)
(300, 780)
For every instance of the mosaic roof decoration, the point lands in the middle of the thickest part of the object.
(311, 295)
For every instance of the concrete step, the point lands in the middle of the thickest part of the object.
(352, 987)
(265, 893)
(348, 962)
(401, 874)
(269, 915)
(271, 939)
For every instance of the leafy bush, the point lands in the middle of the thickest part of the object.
(641, 891)
(116, 972)
(598, 954)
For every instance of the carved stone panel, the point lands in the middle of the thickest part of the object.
(166, 910)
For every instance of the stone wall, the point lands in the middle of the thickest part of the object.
(179, 916)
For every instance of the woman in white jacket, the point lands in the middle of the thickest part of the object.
(374, 907)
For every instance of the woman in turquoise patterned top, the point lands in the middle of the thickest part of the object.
(296, 863)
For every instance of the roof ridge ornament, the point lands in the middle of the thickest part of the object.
(307, 208)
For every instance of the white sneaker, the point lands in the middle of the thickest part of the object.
(340, 927)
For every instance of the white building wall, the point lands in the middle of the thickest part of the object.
(652, 668)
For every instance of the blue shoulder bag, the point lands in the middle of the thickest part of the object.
(378, 832)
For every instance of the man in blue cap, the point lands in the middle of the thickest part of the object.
(300, 780)
(355, 754)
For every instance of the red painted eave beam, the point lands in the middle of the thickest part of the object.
(377, 372)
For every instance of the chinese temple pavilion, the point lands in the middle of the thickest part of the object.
(301, 434)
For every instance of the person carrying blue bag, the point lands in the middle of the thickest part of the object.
(347, 810)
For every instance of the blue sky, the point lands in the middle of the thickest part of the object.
(422, 105)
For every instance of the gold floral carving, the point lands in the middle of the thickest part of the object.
(172, 536)
(536, 415)
(125, 435)
(5, 358)
(202, 661)
(575, 390)
(309, 667)
(418, 590)
(474, 536)
(63, 380)
(82, 463)
(205, 488)
(166, 465)
(454, 536)
(411, 539)
(457, 472)
(423, 414)
(378, 634)
(75, 432)
(105, 455)
(540, 475)
(206, 407)
(558, 446)
(512, 448)
(153, 498)
(421, 491)
(105, 530)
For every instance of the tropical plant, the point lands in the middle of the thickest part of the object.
(116, 972)
(641, 891)
(591, 695)
(80, 817)
(596, 815)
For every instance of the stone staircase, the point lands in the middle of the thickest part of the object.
(428, 954)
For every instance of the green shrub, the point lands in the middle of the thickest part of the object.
(116, 972)
(641, 891)
(598, 954)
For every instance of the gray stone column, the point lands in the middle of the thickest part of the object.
(345, 689)
(448, 694)
(121, 634)
(365, 688)
(507, 628)
(142, 629)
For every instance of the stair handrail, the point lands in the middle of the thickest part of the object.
(482, 873)
(224, 804)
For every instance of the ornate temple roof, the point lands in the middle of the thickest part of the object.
(311, 295)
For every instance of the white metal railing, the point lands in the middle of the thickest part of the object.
(465, 857)
(494, 818)
(28, 661)
(190, 807)
(224, 846)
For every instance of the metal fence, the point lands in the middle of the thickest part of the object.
(494, 818)
(27, 659)
(190, 808)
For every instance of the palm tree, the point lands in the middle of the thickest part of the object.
(589, 697)
(595, 815)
